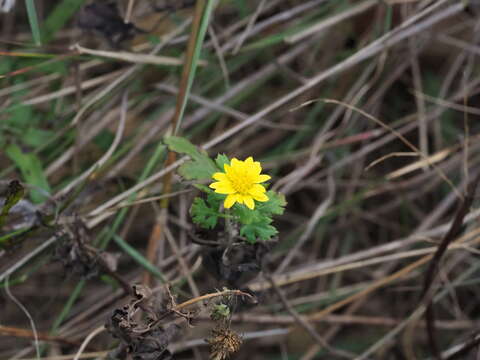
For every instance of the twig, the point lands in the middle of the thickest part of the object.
(135, 58)
(128, 14)
(100, 162)
(184, 90)
(455, 229)
(85, 342)
(27, 313)
(24, 333)
(305, 324)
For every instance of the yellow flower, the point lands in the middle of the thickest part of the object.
(241, 183)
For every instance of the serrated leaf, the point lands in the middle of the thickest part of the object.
(205, 214)
(274, 206)
(258, 231)
(221, 160)
(245, 215)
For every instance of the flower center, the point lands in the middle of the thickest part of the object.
(241, 182)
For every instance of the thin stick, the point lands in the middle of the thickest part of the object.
(427, 294)
(89, 338)
(26, 312)
(195, 40)
(305, 324)
(98, 165)
(29, 334)
(402, 138)
(128, 14)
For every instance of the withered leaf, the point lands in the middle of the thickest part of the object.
(153, 346)
(104, 19)
(142, 340)
(237, 266)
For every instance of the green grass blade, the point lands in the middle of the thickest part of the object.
(209, 7)
(68, 306)
(59, 17)
(139, 258)
(33, 19)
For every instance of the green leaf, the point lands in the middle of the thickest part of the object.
(181, 146)
(256, 222)
(13, 237)
(258, 231)
(21, 118)
(33, 20)
(139, 258)
(274, 206)
(59, 16)
(36, 137)
(31, 169)
(203, 188)
(14, 194)
(201, 167)
(245, 215)
(221, 160)
(104, 139)
(220, 312)
(205, 214)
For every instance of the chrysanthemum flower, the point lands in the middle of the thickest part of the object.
(241, 183)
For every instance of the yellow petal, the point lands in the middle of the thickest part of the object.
(230, 200)
(262, 178)
(240, 198)
(219, 176)
(257, 190)
(260, 197)
(227, 168)
(236, 163)
(248, 200)
(222, 188)
(256, 168)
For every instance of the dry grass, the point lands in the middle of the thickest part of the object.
(364, 114)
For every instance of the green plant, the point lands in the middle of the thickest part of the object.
(237, 196)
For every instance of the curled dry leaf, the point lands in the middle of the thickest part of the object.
(142, 339)
(78, 256)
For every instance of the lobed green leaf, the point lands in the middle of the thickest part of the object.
(206, 214)
(274, 206)
(258, 231)
(201, 167)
